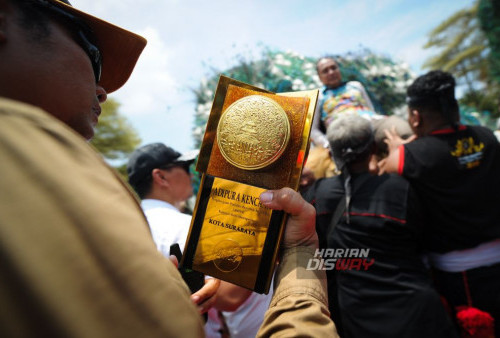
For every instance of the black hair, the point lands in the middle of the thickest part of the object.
(32, 19)
(143, 188)
(434, 93)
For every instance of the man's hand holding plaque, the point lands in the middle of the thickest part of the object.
(255, 141)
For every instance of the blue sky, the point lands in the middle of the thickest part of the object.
(185, 37)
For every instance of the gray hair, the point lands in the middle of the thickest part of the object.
(349, 136)
(327, 57)
(401, 126)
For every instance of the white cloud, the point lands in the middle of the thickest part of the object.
(414, 54)
(150, 88)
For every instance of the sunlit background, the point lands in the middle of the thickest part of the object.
(190, 41)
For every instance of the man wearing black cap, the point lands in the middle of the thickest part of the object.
(77, 255)
(160, 176)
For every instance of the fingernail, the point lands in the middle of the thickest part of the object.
(195, 298)
(266, 197)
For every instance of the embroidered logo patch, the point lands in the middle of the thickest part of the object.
(468, 153)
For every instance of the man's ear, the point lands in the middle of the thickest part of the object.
(159, 177)
(416, 120)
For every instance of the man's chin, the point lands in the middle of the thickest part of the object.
(88, 134)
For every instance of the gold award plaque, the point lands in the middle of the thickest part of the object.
(253, 132)
(255, 140)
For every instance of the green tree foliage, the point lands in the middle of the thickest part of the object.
(489, 17)
(462, 48)
(114, 138)
(466, 44)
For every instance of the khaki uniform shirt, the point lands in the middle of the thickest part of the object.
(299, 307)
(77, 257)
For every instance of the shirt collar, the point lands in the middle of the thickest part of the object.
(325, 88)
(147, 204)
(448, 130)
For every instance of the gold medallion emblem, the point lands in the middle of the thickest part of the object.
(253, 132)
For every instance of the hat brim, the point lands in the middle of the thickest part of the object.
(190, 156)
(120, 49)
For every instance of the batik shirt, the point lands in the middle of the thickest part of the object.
(349, 98)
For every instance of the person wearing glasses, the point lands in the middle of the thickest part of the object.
(77, 256)
(161, 178)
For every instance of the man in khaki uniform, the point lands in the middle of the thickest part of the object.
(77, 256)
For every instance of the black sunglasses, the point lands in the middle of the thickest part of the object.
(83, 35)
(183, 165)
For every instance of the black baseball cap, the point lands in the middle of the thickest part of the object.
(151, 156)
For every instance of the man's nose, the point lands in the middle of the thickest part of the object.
(101, 94)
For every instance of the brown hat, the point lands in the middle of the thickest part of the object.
(119, 48)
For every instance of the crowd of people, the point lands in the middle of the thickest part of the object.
(404, 213)
(430, 225)
(393, 296)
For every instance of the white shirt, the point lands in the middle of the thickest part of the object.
(168, 225)
(461, 260)
(245, 321)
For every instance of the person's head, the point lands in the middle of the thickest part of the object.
(62, 60)
(351, 139)
(329, 72)
(400, 126)
(431, 103)
(159, 172)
